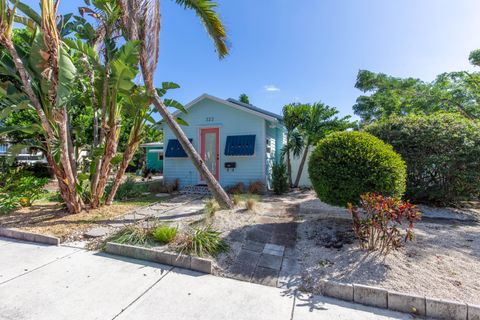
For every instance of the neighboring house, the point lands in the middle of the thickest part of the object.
(153, 155)
(238, 142)
(25, 156)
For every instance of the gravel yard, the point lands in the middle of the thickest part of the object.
(442, 262)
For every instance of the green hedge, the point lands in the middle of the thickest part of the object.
(442, 152)
(345, 165)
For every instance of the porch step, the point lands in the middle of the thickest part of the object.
(196, 189)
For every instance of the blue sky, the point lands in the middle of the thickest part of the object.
(311, 50)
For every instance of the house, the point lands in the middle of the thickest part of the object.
(24, 156)
(153, 156)
(238, 142)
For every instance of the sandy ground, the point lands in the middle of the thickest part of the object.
(443, 261)
(51, 218)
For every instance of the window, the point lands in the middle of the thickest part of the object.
(3, 148)
(175, 149)
(240, 145)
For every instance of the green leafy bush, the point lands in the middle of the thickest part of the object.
(129, 189)
(442, 153)
(19, 187)
(279, 178)
(345, 165)
(164, 234)
(202, 241)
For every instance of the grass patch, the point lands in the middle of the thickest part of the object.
(164, 234)
(132, 235)
(202, 241)
(211, 206)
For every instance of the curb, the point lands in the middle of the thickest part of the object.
(28, 236)
(396, 301)
(163, 257)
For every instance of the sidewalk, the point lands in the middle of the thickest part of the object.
(42, 282)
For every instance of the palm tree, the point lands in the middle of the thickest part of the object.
(294, 145)
(141, 19)
(318, 121)
(44, 70)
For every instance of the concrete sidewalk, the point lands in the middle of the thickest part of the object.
(41, 282)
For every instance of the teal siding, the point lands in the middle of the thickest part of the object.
(152, 158)
(230, 121)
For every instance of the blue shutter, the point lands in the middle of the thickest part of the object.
(175, 149)
(240, 145)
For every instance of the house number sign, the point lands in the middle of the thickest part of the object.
(209, 119)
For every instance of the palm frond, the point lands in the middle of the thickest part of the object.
(205, 10)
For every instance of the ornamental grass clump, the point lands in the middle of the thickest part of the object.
(164, 234)
(133, 235)
(202, 241)
(377, 222)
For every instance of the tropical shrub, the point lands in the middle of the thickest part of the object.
(129, 189)
(201, 241)
(19, 188)
(164, 234)
(377, 222)
(256, 187)
(442, 153)
(345, 165)
(279, 178)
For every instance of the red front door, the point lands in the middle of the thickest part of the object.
(210, 146)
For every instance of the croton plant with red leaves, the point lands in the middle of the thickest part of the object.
(376, 223)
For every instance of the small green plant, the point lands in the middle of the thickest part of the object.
(133, 235)
(164, 234)
(279, 178)
(211, 206)
(203, 240)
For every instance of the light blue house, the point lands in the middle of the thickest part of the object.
(238, 142)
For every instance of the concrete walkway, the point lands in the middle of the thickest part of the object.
(40, 282)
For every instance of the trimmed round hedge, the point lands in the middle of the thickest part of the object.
(442, 152)
(345, 165)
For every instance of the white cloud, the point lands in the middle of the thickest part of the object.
(271, 88)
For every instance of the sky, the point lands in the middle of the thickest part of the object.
(285, 51)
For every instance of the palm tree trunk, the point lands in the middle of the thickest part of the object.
(64, 178)
(220, 195)
(110, 151)
(289, 169)
(96, 176)
(300, 168)
(127, 157)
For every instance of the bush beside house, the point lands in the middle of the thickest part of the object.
(345, 165)
(442, 153)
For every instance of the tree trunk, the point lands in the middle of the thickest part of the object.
(289, 169)
(96, 176)
(65, 179)
(217, 190)
(111, 145)
(302, 164)
(73, 206)
(127, 157)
